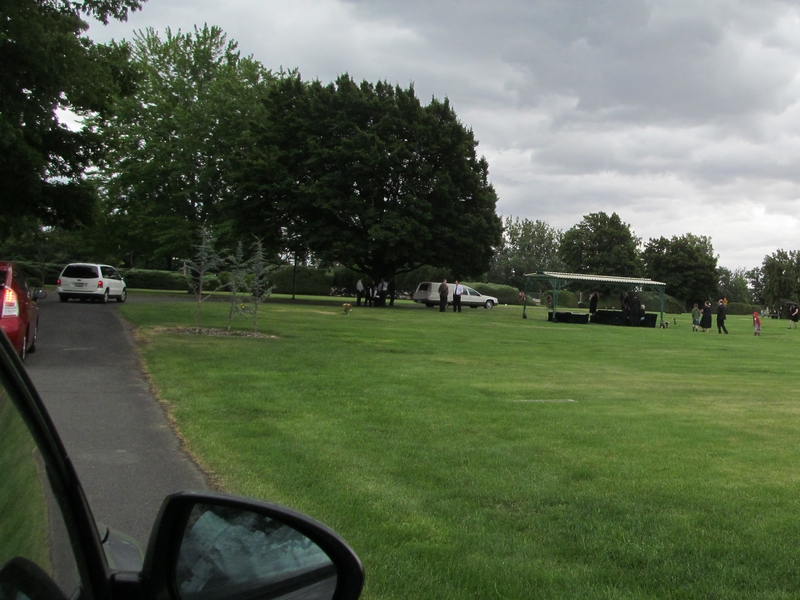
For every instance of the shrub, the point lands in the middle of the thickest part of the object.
(742, 308)
(148, 279)
(505, 294)
(566, 299)
(40, 274)
(653, 304)
(308, 281)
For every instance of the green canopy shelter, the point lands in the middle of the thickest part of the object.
(559, 281)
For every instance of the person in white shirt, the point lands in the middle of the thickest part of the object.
(359, 291)
(458, 289)
(383, 289)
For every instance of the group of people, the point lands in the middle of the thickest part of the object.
(701, 317)
(374, 294)
(632, 309)
(444, 292)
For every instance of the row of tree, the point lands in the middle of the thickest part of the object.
(603, 244)
(358, 174)
(183, 134)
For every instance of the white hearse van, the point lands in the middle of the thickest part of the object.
(428, 294)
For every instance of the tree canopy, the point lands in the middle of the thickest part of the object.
(734, 285)
(686, 263)
(526, 246)
(174, 144)
(602, 244)
(49, 64)
(371, 179)
(780, 273)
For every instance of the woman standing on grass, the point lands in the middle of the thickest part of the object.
(705, 320)
(794, 315)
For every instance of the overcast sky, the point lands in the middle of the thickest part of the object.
(680, 116)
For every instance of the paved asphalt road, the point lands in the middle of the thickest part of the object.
(117, 435)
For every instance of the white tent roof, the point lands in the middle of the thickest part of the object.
(594, 278)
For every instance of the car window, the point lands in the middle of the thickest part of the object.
(111, 273)
(472, 292)
(32, 528)
(80, 272)
(3, 275)
(23, 285)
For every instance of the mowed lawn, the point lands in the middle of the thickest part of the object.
(480, 455)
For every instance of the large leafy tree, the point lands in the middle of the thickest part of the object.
(780, 274)
(733, 285)
(526, 246)
(371, 179)
(269, 175)
(46, 64)
(175, 145)
(601, 244)
(755, 281)
(686, 263)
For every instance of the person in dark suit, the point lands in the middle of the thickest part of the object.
(443, 293)
(705, 320)
(721, 317)
(593, 302)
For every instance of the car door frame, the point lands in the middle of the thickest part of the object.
(61, 474)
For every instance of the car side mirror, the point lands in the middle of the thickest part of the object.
(39, 294)
(212, 547)
(22, 578)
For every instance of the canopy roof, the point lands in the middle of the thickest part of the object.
(552, 275)
(561, 280)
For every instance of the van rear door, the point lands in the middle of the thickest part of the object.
(423, 292)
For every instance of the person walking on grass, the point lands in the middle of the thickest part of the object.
(721, 317)
(705, 320)
(756, 323)
(794, 314)
(696, 318)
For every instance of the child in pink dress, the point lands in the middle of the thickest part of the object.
(756, 323)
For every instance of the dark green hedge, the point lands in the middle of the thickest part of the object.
(40, 274)
(147, 279)
(742, 308)
(505, 294)
(307, 282)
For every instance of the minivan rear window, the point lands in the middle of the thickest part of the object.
(3, 275)
(80, 272)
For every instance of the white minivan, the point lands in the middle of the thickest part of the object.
(87, 281)
(428, 294)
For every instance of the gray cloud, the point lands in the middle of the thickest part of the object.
(681, 116)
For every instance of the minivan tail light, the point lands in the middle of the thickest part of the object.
(58, 282)
(100, 284)
(10, 303)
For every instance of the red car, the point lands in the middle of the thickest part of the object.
(19, 316)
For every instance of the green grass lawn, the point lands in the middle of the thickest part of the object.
(482, 456)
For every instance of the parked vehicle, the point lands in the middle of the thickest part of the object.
(204, 546)
(19, 317)
(87, 281)
(427, 293)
